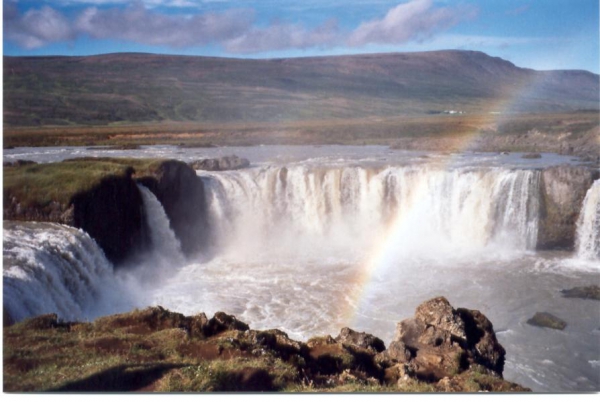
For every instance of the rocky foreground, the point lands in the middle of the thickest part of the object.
(440, 349)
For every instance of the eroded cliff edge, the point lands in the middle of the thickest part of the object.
(440, 349)
(101, 197)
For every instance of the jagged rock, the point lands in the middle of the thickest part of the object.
(223, 354)
(181, 193)
(112, 214)
(231, 162)
(224, 322)
(276, 341)
(547, 320)
(360, 339)
(583, 292)
(440, 341)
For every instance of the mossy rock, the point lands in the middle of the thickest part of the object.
(583, 292)
(547, 320)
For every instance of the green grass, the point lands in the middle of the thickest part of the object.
(41, 184)
(158, 350)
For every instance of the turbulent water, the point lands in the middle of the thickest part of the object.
(166, 248)
(50, 268)
(310, 243)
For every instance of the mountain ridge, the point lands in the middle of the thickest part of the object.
(145, 87)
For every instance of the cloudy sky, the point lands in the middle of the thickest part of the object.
(539, 34)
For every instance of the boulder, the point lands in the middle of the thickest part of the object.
(583, 292)
(222, 322)
(363, 340)
(231, 162)
(547, 320)
(440, 341)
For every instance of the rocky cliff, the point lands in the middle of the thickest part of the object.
(181, 193)
(562, 191)
(111, 210)
(440, 349)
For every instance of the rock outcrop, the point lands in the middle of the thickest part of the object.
(547, 320)
(181, 193)
(583, 292)
(112, 210)
(562, 191)
(231, 162)
(112, 213)
(440, 349)
(440, 341)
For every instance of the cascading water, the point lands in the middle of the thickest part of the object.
(165, 245)
(588, 225)
(50, 268)
(356, 238)
(343, 210)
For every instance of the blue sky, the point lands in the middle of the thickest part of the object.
(539, 34)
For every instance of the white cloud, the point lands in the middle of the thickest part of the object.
(36, 28)
(280, 36)
(415, 20)
(234, 30)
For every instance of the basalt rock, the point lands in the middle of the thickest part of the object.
(583, 292)
(440, 341)
(181, 193)
(221, 354)
(231, 162)
(112, 214)
(562, 191)
(547, 320)
(360, 339)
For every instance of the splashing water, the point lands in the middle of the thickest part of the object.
(164, 241)
(305, 212)
(51, 268)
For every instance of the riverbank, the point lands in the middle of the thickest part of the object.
(155, 350)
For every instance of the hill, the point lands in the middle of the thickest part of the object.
(139, 88)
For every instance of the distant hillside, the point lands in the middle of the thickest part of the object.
(134, 88)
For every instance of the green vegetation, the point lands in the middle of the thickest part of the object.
(158, 350)
(357, 131)
(41, 184)
(144, 88)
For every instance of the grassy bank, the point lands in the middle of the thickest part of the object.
(158, 350)
(40, 184)
(359, 131)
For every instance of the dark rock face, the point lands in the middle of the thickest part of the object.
(360, 339)
(112, 213)
(232, 162)
(563, 189)
(583, 292)
(440, 341)
(547, 320)
(439, 349)
(181, 193)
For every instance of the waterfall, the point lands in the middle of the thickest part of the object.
(588, 225)
(327, 210)
(166, 248)
(50, 268)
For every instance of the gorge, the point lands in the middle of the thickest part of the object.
(313, 239)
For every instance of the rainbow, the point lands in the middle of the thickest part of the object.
(384, 255)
